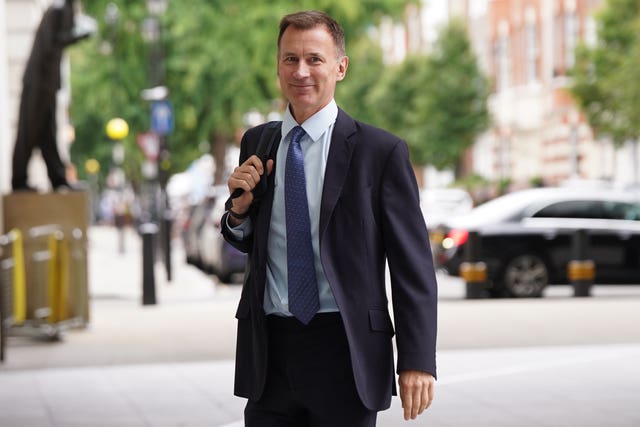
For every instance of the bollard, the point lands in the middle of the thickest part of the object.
(148, 232)
(581, 270)
(19, 281)
(474, 271)
(120, 227)
(79, 280)
(166, 237)
(4, 289)
(58, 277)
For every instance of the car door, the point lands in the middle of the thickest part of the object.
(622, 221)
(613, 240)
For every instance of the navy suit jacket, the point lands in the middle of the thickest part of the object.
(370, 214)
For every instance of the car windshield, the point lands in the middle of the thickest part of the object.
(504, 208)
(551, 203)
(596, 209)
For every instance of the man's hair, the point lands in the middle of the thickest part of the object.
(310, 19)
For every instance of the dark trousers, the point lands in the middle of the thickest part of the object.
(310, 379)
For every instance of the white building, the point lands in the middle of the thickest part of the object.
(526, 48)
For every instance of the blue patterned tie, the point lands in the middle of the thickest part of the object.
(303, 286)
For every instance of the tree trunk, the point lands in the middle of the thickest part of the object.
(218, 151)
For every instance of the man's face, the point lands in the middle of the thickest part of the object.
(308, 69)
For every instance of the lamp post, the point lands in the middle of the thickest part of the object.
(161, 119)
(574, 122)
(92, 167)
(117, 129)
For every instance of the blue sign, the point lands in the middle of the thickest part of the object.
(161, 117)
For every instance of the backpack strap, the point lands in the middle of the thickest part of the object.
(271, 132)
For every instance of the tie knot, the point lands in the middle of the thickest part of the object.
(296, 134)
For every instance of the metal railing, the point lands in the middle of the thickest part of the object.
(43, 283)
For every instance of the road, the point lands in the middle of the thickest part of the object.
(554, 361)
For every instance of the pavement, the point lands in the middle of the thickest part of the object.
(171, 364)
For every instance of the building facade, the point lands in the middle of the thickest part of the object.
(538, 133)
(526, 48)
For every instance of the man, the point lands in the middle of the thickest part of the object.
(315, 349)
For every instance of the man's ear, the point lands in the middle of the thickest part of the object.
(343, 64)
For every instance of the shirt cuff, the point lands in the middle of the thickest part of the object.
(241, 230)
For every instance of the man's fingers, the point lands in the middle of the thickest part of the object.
(407, 402)
(416, 392)
(430, 389)
(417, 401)
(269, 166)
(247, 175)
(424, 398)
(255, 162)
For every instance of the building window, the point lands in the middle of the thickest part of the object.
(558, 68)
(502, 58)
(571, 37)
(532, 52)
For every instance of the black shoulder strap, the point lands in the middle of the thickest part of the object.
(271, 132)
(268, 137)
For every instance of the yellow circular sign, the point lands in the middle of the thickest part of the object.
(117, 129)
(92, 166)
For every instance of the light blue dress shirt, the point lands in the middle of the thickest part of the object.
(315, 148)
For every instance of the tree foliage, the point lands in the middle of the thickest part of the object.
(605, 77)
(437, 102)
(219, 58)
(363, 74)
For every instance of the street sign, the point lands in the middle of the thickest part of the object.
(149, 143)
(161, 117)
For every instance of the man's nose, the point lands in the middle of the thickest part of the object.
(302, 70)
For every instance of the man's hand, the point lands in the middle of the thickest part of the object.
(247, 176)
(416, 392)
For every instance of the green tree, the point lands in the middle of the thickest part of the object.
(220, 63)
(363, 75)
(604, 79)
(108, 72)
(437, 102)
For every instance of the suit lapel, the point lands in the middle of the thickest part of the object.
(342, 145)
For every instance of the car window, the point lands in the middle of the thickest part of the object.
(590, 209)
(629, 211)
(571, 209)
(621, 210)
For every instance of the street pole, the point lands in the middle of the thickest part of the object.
(161, 123)
(118, 129)
(574, 122)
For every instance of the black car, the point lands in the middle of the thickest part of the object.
(526, 238)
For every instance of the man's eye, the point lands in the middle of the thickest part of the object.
(290, 59)
(315, 60)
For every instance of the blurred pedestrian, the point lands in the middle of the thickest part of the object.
(314, 345)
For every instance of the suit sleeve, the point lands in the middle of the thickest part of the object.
(413, 281)
(245, 243)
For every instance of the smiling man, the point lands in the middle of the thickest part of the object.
(315, 334)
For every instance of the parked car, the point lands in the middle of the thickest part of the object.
(193, 228)
(217, 256)
(439, 204)
(526, 238)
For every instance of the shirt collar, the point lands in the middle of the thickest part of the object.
(316, 125)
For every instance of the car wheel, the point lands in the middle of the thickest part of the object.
(525, 276)
(225, 277)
